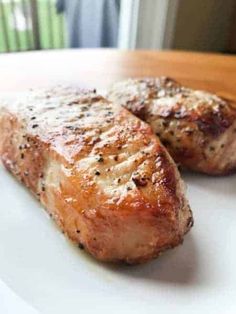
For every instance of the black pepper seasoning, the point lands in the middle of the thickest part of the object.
(100, 159)
(69, 127)
(84, 108)
(81, 246)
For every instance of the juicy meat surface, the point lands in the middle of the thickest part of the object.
(197, 128)
(100, 172)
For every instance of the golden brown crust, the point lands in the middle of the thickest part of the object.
(190, 123)
(100, 172)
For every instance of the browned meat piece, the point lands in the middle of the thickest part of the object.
(197, 128)
(100, 172)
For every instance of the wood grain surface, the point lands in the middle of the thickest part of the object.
(101, 67)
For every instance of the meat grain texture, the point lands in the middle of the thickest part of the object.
(197, 128)
(99, 171)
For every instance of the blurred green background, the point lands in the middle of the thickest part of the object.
(17, 32)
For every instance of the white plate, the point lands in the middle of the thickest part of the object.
(53, 276)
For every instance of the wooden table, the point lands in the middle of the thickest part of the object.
(100, 67)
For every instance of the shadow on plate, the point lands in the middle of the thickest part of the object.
(177, 266)
(225, 185)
